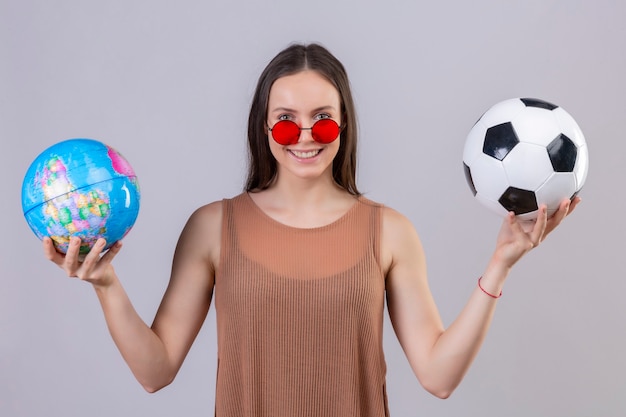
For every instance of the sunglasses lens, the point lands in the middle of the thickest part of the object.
(325, 131)
(286, 132)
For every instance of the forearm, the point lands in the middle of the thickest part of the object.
(141, 348)
(457, 347)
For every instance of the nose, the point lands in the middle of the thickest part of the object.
(305, 135)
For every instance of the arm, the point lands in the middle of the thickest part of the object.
(155, 354)
(440, 357)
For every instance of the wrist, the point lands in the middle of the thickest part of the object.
(505, 258)
(492, 280)
(490, 294)
(105, 284)
(497, 269)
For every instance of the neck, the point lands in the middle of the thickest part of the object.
(301, 203)
(298, 192)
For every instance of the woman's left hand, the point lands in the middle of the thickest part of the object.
(517, 237)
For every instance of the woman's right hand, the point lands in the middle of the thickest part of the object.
(95, 267)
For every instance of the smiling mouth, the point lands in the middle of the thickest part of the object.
(305, 154)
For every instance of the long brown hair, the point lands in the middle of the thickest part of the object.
(262, 167)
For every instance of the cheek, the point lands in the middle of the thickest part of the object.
(334, 147)
(275, 148)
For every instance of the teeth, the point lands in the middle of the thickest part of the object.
(309, 154)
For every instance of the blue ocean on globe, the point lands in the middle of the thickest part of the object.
(80, 187)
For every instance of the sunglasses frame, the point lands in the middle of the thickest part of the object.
(295, 140)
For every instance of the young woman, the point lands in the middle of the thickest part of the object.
(300, 266)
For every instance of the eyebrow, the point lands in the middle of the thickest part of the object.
(289, 110)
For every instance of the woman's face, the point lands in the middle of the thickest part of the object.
(304, 98)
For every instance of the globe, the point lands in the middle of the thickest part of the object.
(80, 187)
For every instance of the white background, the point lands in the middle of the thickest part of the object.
(169, 85)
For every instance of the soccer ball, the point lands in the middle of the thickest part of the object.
(522, 153)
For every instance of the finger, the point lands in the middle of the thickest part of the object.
(563, 210)
(51, 253)
(512, 221)
(573, 204)
(538, 231)
(565, 207)
(517, 226)
(110, 254)
(71, 262)
(92, 258)
(557, 218)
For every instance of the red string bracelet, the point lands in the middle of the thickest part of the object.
(489, 294)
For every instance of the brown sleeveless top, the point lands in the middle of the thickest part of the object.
(300, 315)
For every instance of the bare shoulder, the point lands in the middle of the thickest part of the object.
(208, 214)
(201, 235)
(395, 222)
(399, 240)
(397, 229)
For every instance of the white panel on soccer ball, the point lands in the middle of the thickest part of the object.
(531, 216)
(560, 186)
(492, 205)
(581, 167)
(527, 166)
(569, 127)
(474, 143)
(488, 176)
(502, 112)
(536, 125)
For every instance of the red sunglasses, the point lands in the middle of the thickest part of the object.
(287, 132)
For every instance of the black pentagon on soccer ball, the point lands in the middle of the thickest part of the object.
(468, 177)
(562, 152)
(500, 140)
(518, 201)
(535, 102)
